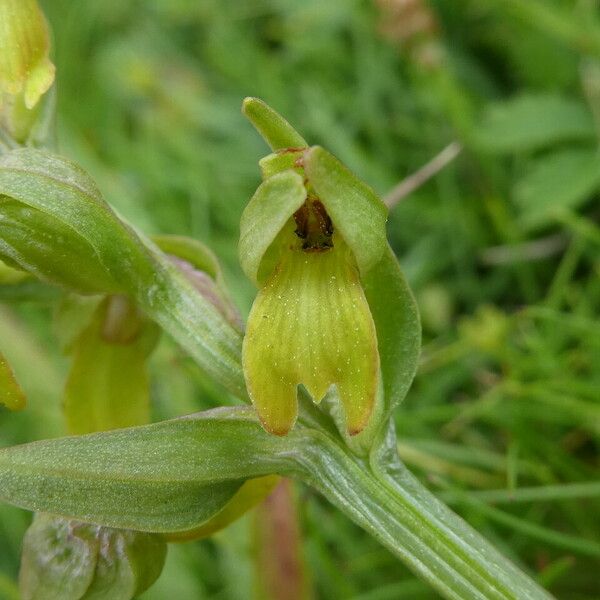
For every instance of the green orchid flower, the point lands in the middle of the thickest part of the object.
(308, 237)
(26, 72)
(25, 66)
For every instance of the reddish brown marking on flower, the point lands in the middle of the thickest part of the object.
(290, 149)
(301, 218)
(314, 226)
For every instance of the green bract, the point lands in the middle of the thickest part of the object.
(308, 238)
(55, 224)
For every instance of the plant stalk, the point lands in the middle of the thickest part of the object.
(435, 543)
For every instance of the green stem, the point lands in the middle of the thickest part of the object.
(408, 520)
(396, 509)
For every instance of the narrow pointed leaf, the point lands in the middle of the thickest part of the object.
(169, 477)
(250, 494)
(274, 129)
(192, 455)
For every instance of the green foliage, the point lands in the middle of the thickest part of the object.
(532, 122)
(557, 183)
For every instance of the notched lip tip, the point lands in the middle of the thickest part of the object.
(277, 431)
(353, 432)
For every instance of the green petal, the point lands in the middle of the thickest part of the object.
(274, 202)
(311, 325)
(274, 129)
(39, 82)
(355, 209)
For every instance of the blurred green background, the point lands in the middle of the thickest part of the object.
(502, 247)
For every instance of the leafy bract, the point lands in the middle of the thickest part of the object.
(169, 477)
(103, 254)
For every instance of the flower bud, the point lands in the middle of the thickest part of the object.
(55, 225)
(43, 245)
(24, 61)
(68, 560)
